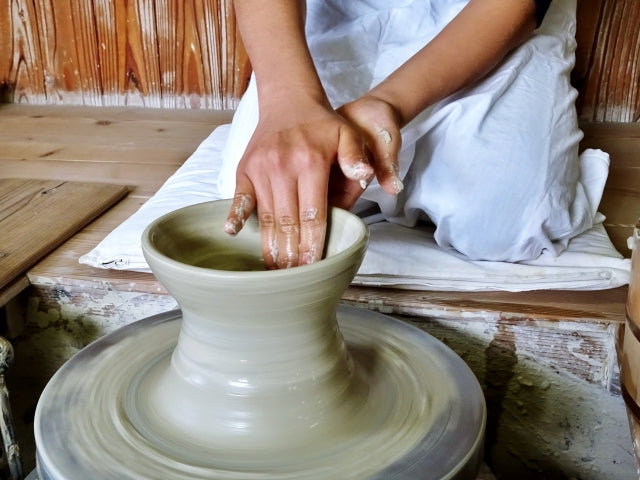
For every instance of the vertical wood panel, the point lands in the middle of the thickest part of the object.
(168, 47)
(237, 58)
(610, 83)
(153, 53)
(68, 43)
(21, 70)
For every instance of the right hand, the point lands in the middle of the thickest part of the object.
(301, 158)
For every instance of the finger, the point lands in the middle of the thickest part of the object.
(385, 145)
(241, 207)
(352, 158)
(266, 222)
(313, 216)
(286, 223)
(246, 199)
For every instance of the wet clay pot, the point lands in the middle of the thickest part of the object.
(260, 362)
(260, 375)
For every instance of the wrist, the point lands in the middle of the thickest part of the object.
(291, 99)
(293, 91)
(396, 101)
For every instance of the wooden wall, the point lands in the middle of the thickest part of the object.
(152, 53)
(607, 71)
(187, 54)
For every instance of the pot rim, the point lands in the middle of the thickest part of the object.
(355, 250)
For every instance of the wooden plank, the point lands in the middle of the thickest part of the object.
(156, 138)
(621, 197)
(606, 306)
(634, 427)
(620, 140)
(18, 112)
(170, 154)
(10, 291)
(128, 146)
(38, 215)
(144, 132)
(627, 350)
(107, 126)
(150, 179)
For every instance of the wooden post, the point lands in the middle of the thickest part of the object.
(630, 354)
(6, 418)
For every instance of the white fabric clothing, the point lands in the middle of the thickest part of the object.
(494, 166)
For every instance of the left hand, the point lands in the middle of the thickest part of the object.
(378, 123)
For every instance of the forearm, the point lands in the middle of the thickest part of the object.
(273, 34)
(465, 50)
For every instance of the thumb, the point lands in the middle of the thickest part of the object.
(352, 158)
(385, 145)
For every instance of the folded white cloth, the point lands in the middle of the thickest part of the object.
(397, 256)
(402, 257)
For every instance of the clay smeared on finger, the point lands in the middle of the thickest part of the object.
(240, 210)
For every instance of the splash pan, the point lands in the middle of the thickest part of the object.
(422, 415)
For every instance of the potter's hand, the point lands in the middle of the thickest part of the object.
(378, 123)
(293, 157)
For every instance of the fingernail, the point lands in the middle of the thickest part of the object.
(395, 181)
(398, 186)
(232, 226)
(273, 251)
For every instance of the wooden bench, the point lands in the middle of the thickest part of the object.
(546, 359)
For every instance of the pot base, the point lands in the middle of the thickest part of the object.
(423, 414)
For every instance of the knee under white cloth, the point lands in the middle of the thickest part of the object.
(494, 166)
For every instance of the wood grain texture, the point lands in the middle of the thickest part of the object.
(621, 198)
(628, 353)
(12, 290)
(138, 147)
(164, 53)
(22, 75)
(605, 306)
(38, 215)
(607, 73)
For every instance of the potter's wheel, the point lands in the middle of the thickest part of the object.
(424, 414)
